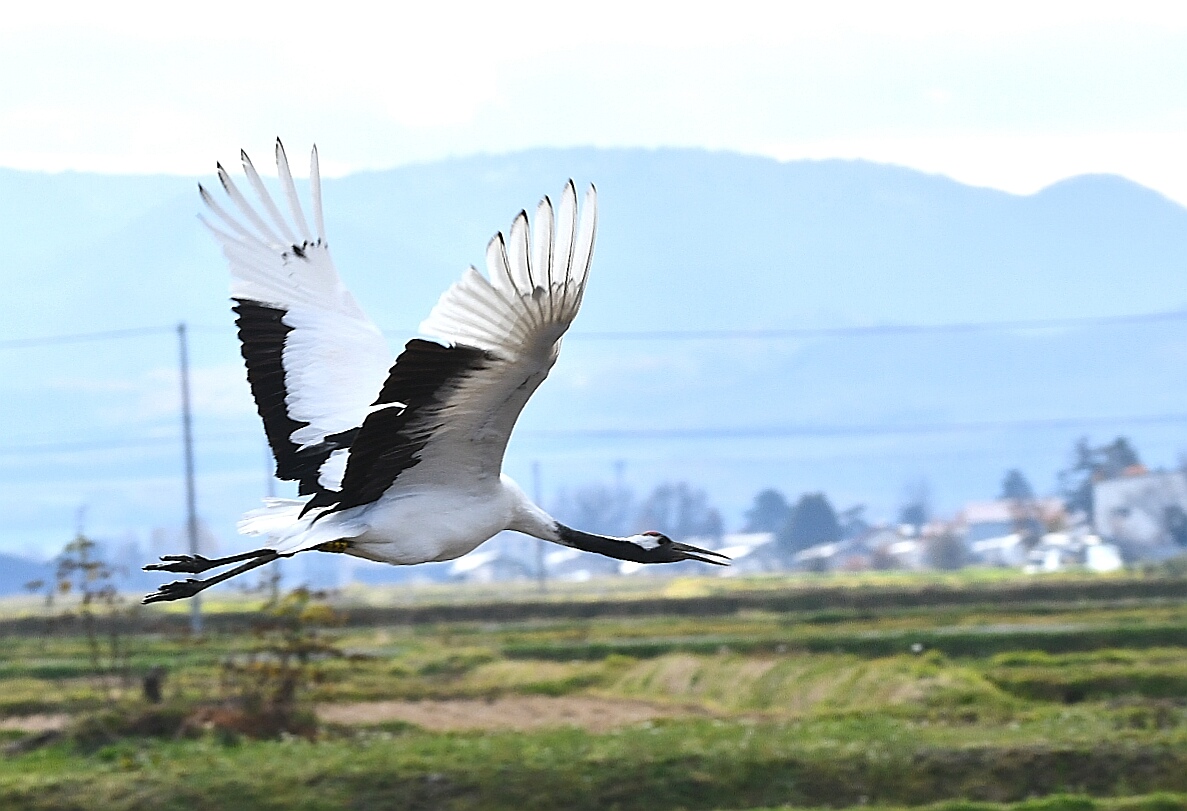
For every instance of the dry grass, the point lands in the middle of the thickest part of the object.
(520, 713)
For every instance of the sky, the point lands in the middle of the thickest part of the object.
(1012, 95)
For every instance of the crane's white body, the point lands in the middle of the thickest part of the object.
(409, 526)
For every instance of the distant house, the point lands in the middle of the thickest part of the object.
(578, 566)
(876, 548)
(982, 520)
(1055, 552)
(488, 566)
(1006, 550)
(1102, 557)
(889, 549)
(1004, 532)
(823, 557)
(1058, 551)
(1144, 513)
(750, 553)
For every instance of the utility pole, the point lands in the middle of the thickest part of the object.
(188, 440)
(538, 494)
(269, 472)
(275, 572)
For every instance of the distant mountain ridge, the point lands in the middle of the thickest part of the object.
(766, 243)
(688, 240)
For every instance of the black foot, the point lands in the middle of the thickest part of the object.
(188, 564)
(177, 590)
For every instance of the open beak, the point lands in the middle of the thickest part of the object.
(703, 555)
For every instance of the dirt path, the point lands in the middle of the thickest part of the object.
(47, 722)
(509, 712)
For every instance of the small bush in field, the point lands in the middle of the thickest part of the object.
(262, 689)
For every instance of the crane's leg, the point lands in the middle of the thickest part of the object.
(196, 564)
(181, 589)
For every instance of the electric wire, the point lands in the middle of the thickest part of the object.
(700, 334)
(740, 432)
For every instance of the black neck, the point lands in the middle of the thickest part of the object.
(601, 544)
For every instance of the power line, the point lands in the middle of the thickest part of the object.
(35, 448)
(776, 431)
(886, 329)
(82, 337)
(742, 432)
(702, 334)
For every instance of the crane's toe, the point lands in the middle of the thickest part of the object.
(177, 590)
(186, 564)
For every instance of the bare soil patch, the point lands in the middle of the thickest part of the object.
(508, 712)
(42, 722)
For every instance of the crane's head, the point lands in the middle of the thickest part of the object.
(662, 549)
(650, 539)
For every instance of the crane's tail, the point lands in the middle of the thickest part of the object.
(278, 518)
(289, 532)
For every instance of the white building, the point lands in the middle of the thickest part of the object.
(1139, 512)
(983, 520)
(1102, 557)
(1007, 550)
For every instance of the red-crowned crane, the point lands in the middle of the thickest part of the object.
(399, 465)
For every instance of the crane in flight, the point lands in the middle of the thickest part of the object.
(399, 465)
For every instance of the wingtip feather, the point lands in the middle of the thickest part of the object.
(290, 193)
(257, 183)
(315, 193)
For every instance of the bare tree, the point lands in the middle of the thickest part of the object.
(813, 521)
(1025, 514)
(82, 571)
(916, 505)
(945, 551)
(679, 511)
(604, 508)
(769, 513)
(1091, 465)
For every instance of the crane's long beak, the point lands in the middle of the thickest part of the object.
(696, 553)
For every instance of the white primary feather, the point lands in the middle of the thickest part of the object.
(526, 302)
(257, 183)
(518, 317)
(315, 193)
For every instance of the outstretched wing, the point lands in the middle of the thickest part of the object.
(446, 411)
(314, 359)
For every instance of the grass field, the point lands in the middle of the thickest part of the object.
(987, 693)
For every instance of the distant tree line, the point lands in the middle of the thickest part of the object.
(811, 521)
(681, 510)
(677, 509)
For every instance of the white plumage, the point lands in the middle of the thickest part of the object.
(402, 465)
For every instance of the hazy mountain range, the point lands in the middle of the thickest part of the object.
(689, 241)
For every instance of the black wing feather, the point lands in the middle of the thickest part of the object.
(423, 375)
(262, 333)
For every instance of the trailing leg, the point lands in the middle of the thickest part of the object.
(181, 589)
(196, 564)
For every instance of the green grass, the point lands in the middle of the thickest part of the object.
(957, 706)
(701, 764)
